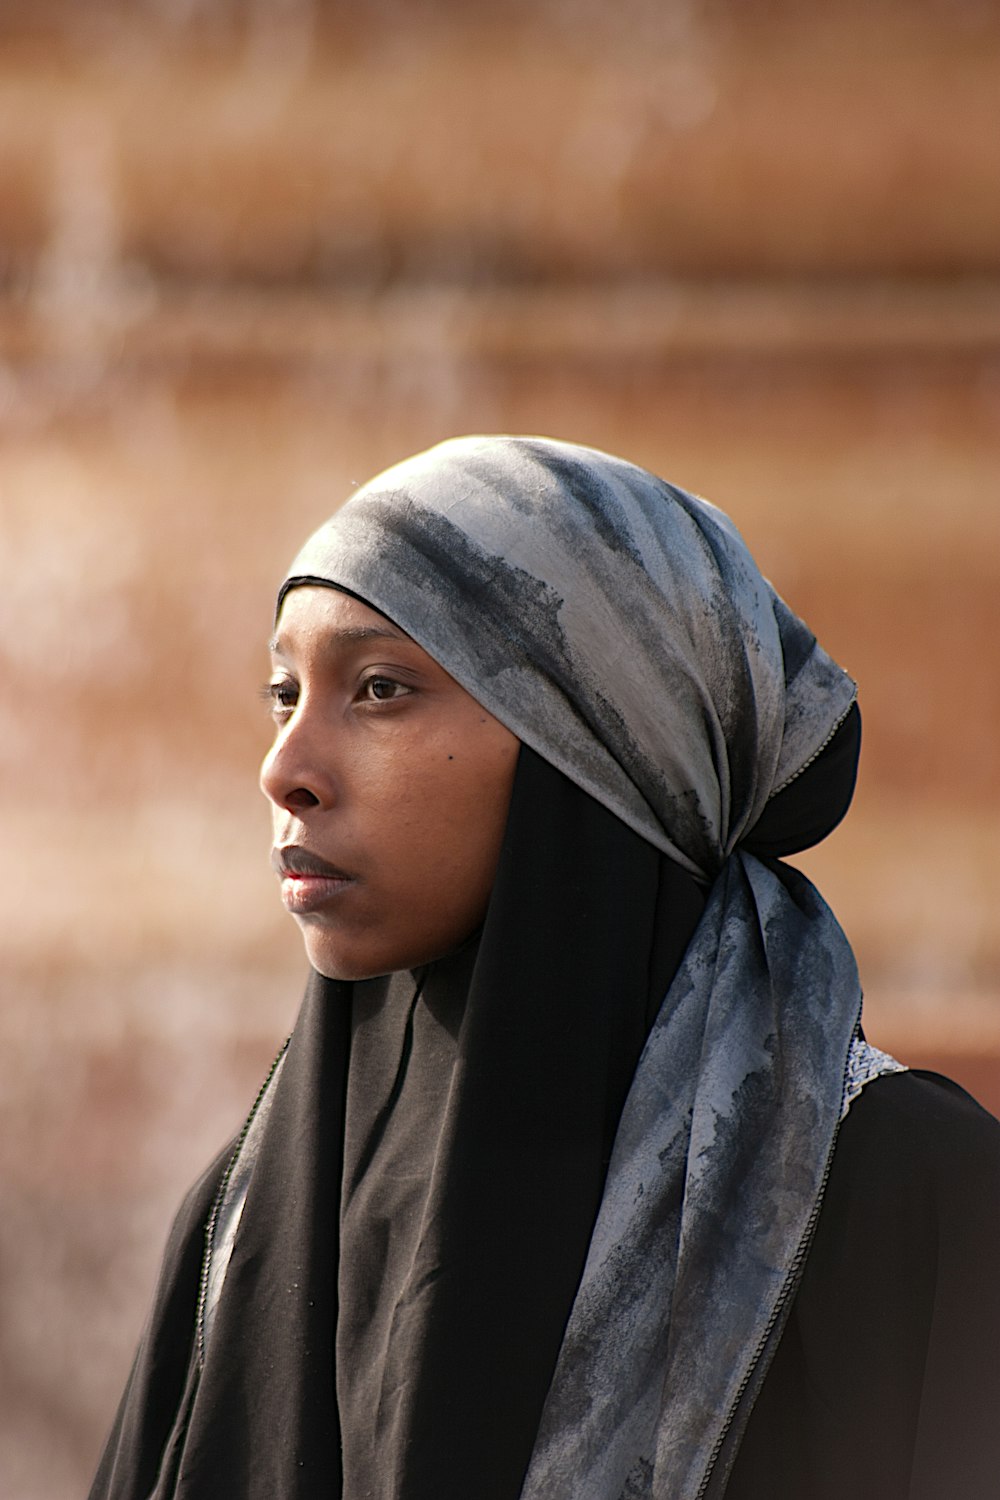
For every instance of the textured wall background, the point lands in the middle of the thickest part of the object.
(251, 251)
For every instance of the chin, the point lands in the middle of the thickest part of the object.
(346, 962)
(345, 969)
(337, 961)
(328, 952)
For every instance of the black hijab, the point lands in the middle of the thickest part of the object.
(548, 1010)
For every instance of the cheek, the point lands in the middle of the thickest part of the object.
(478, 801)
(432, 833)
(450, 831)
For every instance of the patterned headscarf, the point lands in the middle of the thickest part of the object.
(614, 623)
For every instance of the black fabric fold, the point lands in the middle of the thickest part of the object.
(809, 808)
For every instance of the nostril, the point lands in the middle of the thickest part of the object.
(301, 797)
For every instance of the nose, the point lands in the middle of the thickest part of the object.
(294, 775)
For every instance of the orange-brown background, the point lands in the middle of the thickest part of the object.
(252, 252)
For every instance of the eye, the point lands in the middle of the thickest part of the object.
(382, 689)
(281, 695)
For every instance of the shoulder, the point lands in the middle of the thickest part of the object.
(917, 1131)
(886, 1381)
(921, 1098)
(182, 1255)
(912, 1204)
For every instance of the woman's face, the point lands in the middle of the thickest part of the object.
(389, 786)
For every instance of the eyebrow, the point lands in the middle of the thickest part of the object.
(349, 635)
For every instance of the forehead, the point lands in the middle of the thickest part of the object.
(314, 614)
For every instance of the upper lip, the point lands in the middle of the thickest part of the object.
(293, 860)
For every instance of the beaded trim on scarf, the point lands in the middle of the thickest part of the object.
(865, 1063)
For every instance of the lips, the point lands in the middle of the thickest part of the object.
(295, 861)
(308, 882)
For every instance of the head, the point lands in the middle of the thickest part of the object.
(389, 787)
(554, 596)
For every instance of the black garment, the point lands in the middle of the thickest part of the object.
(886, 1382)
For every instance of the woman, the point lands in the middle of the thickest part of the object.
(577, 1180)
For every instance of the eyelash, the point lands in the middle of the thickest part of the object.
(272, 693)
(369, 682)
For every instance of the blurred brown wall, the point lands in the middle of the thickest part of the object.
(251, 253)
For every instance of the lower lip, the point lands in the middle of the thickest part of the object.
(306, 893)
